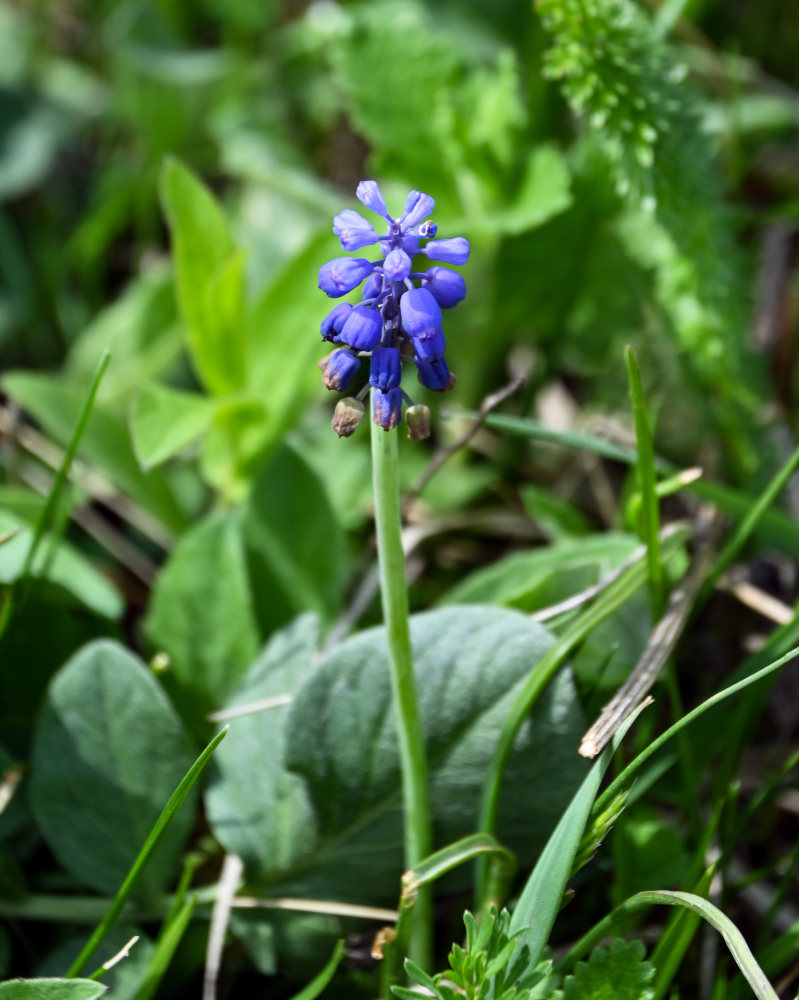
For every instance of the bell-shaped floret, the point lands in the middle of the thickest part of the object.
(362, 328)
(385, 368)
(435, 375)
(387, 408)
(333, 322)
(339, 369)
(447, 287)
(341, 275)
(421, 314)
(373, 286)
(353, 230)
(427, 230)
(430, 348)
(454, 251)
(368, 193)
(397, 265)
(417, 419)
(347, 416)
(417, 207)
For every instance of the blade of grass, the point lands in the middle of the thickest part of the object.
(676, 938)
(774, 527)
(755, 514)
(618, 783)
(645, 469)
(144, 855)
(312, 990)
(168, 942)
(605, 604)
(48, 512)
(541, 897)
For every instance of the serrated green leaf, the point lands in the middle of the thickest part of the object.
(164, 421)
(617, 973)
(108, 752)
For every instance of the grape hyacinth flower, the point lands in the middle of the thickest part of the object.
(399, 319)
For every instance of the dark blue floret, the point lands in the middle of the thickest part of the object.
(362, 328)
(421, 314)
(447, 287)
(385, 368)
(340, 369)
(435, 375)
(430, 348)
(387, 408)
(333, 322)
(400, 313)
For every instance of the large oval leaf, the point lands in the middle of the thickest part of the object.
(341, 737)
(108, 752)
(51, 989)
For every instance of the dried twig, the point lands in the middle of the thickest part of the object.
(276, 701)
(661, 644)
(232, 869)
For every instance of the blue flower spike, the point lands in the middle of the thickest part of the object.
(399, 319)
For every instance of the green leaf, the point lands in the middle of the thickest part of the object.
(469, 663)
(545, 190)
(68, 568)
(256, 809)
(538, 905)
(140, 329)
(543, 576)
(312, 990)
(51, 989)
(733, 938)
(124, 977)
(165, 420)
(201, 611)
(108, 752)
(209, 278)
(619, 972)
(307, 565)
(394, 43)
(105, 444)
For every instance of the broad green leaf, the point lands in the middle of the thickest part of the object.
(284, 343)
(140, 329)
(106, 443)
(619, 972)
(165, 420)
(469, 664)
(256, 809)
(545, 190)
(208, 272)
(68, 568)
(294, 538)
(51, 989)
(108, 752)
(201, 611)
(542, 576)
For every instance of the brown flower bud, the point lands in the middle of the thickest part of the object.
(347, 416)
(417, 418)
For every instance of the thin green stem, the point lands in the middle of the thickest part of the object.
(394, 593)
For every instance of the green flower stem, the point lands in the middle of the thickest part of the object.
(416, 795)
